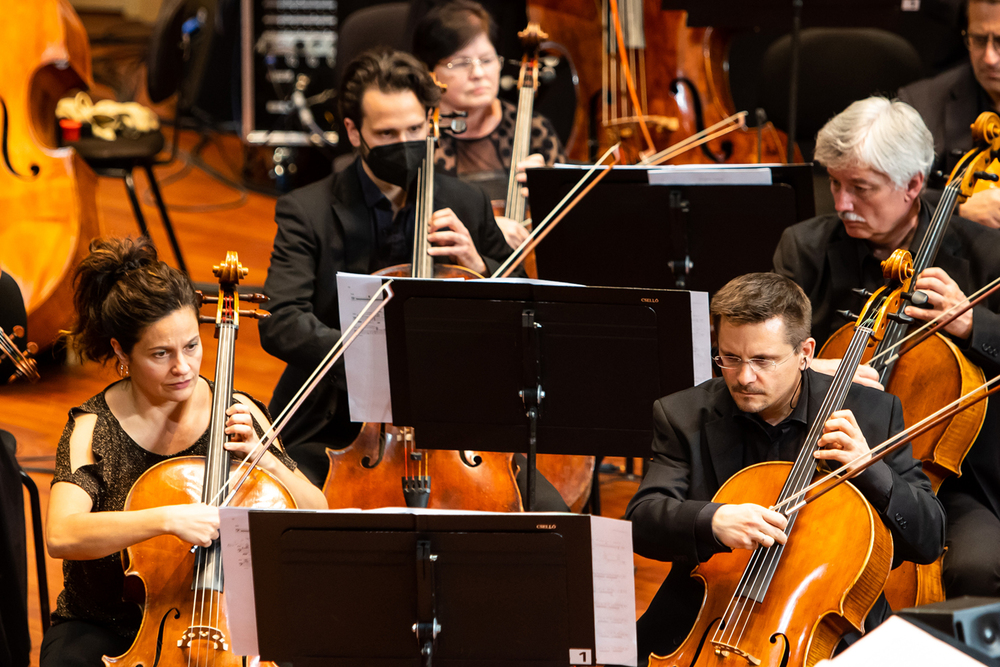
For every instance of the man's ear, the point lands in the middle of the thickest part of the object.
(915, 187)
(808, 349)
(353, 132)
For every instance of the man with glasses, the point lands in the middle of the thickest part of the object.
(951, 102)
(878, 154)
(760, 410)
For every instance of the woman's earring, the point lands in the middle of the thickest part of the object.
(122, 370)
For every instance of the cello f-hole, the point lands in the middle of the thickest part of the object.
(699, 119)
(4, 147)
(476, 460)
(366, 462)
(786, 653)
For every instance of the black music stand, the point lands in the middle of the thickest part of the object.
(743, 14)
(513, 366)
(629, 233)
(400, 589)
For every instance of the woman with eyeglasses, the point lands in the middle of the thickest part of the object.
(457, 41)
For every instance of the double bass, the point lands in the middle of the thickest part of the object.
(785, 604)
(184, 621)
(384, 466)
(48, 209)
(648, 80)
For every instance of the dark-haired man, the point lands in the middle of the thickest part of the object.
(760, 410)
(360, 220)
(951, 101)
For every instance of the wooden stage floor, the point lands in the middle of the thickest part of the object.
(36, 414)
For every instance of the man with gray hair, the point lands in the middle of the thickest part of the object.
(878, 153)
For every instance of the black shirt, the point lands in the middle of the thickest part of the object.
(393, 233)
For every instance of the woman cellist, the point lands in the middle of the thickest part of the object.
(143, 314)
(457, 41)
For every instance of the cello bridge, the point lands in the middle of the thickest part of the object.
(203, 633)
(725, 650)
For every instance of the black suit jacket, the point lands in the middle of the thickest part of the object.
(949, 103)
(827, 263)
(325, 228)
(697, 447)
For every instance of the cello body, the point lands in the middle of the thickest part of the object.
(830, 575)
(377, 467)
(47, 194)
(936, 362)
(166, 567)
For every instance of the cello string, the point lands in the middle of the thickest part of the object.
(904, 435)
(961, 307)
(767, 563)
(347, 337)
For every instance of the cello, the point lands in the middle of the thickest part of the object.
(383, 467)
(785, 604)
(47, 193)
(184, 616)
(938, 362)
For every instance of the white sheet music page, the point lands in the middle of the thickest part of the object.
(234, 534)
(735, 174)
(701, 338)
(614, 591)
(366, 360)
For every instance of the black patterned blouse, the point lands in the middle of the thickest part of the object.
(486, 160)
(93, 589)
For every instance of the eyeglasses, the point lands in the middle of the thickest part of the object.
(465, 65)
(730, 363)
(975, 42)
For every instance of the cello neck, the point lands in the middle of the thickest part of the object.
(423, 263)
(924, 258)
(522, 146)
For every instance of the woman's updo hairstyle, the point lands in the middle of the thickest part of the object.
(122, 288)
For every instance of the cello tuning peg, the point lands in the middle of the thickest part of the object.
(917, 298)
(848, 315)
(862, 292)
(18, 331)
(31, 348)
(255, 297)
(209, 300)
(901, 318)
(206, 319)
(255, 314)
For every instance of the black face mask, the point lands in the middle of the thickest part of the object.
(396, 163)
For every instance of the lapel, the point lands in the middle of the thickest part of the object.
(350, 211)
(819, 386)
(960, 110)
(844, 262)
(724, 440)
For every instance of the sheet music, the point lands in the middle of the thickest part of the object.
(366, 360)
(710, 175)
(234, 533)
(701, 338)
(614, 591)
